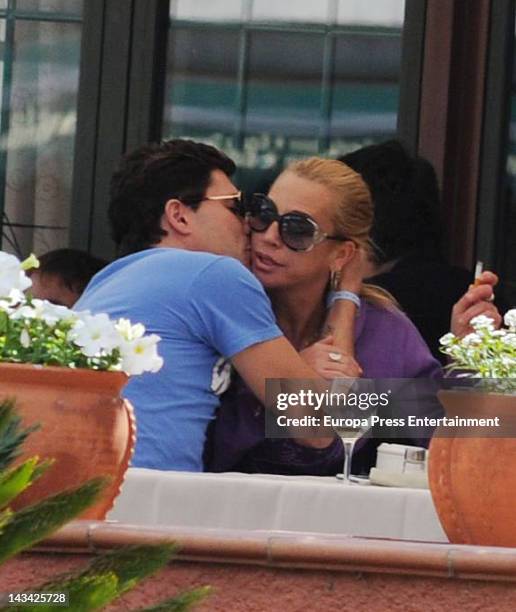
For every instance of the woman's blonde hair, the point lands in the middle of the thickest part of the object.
(353, 212)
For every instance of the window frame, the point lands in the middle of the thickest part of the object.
(119, 105)
(13, 15)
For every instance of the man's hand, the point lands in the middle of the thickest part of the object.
(476, 301)
(330, 361)
(352, 272)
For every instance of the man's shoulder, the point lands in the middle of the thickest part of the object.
(173, 261)
(225, 274)
(195, 273)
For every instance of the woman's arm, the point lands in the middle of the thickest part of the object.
(340, 322)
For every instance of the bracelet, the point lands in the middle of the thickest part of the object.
(333, 296)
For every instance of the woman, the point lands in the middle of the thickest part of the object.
(409, 234)
(313, 225)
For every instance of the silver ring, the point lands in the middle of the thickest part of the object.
(335, 356)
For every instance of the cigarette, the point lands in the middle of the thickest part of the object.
(478, 271)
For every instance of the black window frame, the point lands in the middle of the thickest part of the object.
(119, 105)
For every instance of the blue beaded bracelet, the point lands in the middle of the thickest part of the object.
(333, 296)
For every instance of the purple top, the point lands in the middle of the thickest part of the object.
(387, 345)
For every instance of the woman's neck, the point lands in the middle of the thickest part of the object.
(300, 314)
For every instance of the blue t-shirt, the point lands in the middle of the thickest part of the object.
(206, 308)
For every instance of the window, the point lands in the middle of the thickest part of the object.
(39, 71)
(266, 82)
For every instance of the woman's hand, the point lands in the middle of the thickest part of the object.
(476, 301)
(330, 361)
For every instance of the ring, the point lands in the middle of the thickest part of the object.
(335, 356)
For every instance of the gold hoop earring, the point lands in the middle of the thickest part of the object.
(334, 280)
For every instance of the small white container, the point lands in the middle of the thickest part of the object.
(399, 458)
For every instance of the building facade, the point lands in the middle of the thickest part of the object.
(82, 81)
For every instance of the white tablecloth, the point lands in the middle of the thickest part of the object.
(290, 503)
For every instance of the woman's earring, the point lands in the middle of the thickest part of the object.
(334, 280)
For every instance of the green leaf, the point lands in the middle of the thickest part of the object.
(5, 517)
(180, 603)
(36, 522)
(84, 594)
(4, 322)
(12, 435)
(133, 563)
(16, 480)
(127, 566)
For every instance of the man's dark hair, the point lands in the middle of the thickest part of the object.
(75, 268)
(406, 200)
(150, 176)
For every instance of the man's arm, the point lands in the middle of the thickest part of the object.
(278, 359)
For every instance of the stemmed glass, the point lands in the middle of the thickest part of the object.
(349, 421)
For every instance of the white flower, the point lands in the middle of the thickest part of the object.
(6, 306)
(482, 322)
(11, 275)
(46, 311)
(510, 319)
(498, 333)
(94, 334)
(16, 297)
(128, 331)
(471, 339)
(510, 339)
(77, 339)
(23, 312)
(25, 339)
(52, 313)
(447, 339)
(141, 355)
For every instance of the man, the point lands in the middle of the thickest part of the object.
(174, 214)
(174, 211)
(63, 275)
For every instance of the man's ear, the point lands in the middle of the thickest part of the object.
(177, 217)
(342, 255)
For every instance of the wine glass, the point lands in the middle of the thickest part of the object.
(350, 420)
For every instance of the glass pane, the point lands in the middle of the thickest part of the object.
(283, 97)
(201, 88)
(67, 7)
(39, 144)
(266, 92)
(366, 90)
(3, 4)
(389, 13)
(207, 10)
(305, 10)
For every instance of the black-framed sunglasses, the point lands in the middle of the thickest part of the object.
(239, 208)
(297, 230)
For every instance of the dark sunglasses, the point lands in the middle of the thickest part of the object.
(239, 209)
(297, 230)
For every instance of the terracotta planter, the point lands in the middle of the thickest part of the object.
(85, 427)
(472, 479)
